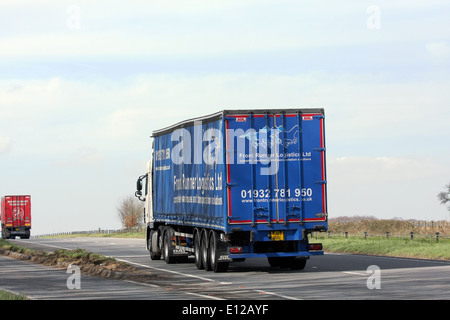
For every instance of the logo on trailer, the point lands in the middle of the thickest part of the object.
(268, 137)
(18, 214)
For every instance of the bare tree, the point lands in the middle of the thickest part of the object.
(444, 196)
(130, 212)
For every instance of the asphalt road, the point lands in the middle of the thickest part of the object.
(328, 277)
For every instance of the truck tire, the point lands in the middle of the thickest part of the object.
(167, 247)
(6, 234)
(161, 230)
(155, 254)
(206, 259)
(215, 251)
(197, 250)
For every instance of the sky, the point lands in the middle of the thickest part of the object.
(84, 83)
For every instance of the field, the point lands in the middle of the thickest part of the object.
(373, 226)
(388, 238)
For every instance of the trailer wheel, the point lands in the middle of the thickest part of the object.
(206, 259)
(215, 252)
(6, 234)
(197, 250)
(167, 247)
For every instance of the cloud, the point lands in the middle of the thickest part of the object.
(439, 51)
(386, 187)
(363, 115)
(5, 145)
(180, 28)
(82, 157)
(356, 171)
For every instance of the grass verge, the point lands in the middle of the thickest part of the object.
(394, 247)
(6, 295)
(6, 245)
(89, 263)
(62, 256)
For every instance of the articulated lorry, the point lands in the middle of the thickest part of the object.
(237, 184)
(16, 216)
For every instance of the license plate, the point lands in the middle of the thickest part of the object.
(277, 235)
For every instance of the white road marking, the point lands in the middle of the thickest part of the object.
(204, 296)
(47, 245)
(276, 294)
(165, 270)
(357, 273)
(208, 280)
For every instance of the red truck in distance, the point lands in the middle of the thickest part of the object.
(16, 216)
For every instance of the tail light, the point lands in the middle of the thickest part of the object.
(236, 249)
(315, 246)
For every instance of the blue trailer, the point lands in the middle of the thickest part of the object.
(237, 184)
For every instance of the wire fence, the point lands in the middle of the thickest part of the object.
(389, 228)
(97, 231)
(411, 236)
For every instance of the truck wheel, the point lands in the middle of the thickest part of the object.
(167, 247)
(153, 237)
(204, 249)
(215, 252)
(198, 251)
